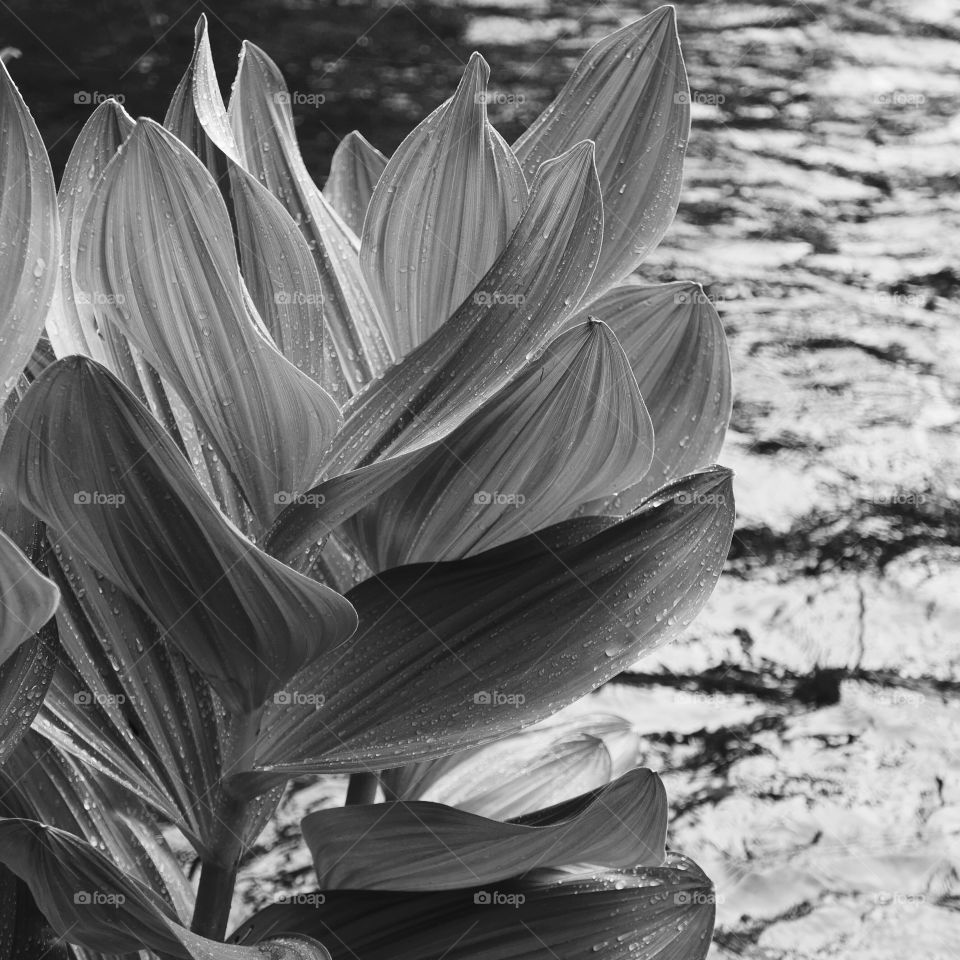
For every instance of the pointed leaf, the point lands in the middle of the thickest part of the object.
(630, 95)
(30, 231)
(355, 168)
(456, 654)
(184, 304)
(441, 213)
(521, 303)
(677, 349)
(541, 766)
(27, 598)
(415, 845)
(85, 456)
(89, 901)
(652, 913)
(24, 680)
(263, 125)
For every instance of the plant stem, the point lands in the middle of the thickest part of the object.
(218, 868)
(363, 787)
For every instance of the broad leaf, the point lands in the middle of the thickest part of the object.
(441, 213)
(30, 231)
(24, 680)
(355, 168)
(416, 845)
(677, 349)
(262, 122)
(541, 766)
(534, 286)
(630, 95)
(456, 654)
(89, 901)
(570, 422)
(653, 913)
(184, 304)
(85, 456)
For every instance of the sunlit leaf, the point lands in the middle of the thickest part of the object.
(355, 168)
(184, 304)
(677, 349)
(27, 598)
(441, 213)
(543, 765)
(630, 95)
(653, 913)
(86, 457)
(30, 231)
(456, 654)
(417, 845)
(262, 122)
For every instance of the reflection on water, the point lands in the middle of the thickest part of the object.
(377, 67)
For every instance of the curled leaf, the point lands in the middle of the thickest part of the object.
(355, 168)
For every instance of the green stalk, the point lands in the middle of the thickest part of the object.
(363, 787)
(218, 869)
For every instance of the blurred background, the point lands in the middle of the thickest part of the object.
(808, 727)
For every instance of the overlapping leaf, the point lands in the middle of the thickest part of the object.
(653, 913)
(355, 168)
(541, 766)
(630, 95)
(184, 304)
(441, 212)
(31, 234)
(456, 654)
(89, 901)
(86, 457)
(570, 422)
(27, 598)
(418, 845)
(262, 122)
(677, 349)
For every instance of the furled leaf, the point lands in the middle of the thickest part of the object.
(262, 122)
(418, 845)
(276, 262)
(24, 680)
(456, 654)
(677, 349)
(653, 913)
(630, 95)
(89, 901)
(27, 598)
(571, 421)
(185, 306)
(31, 234)
(355, 168)
(441, 213)
(82, 454)
(541, 766)
(523, 300)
